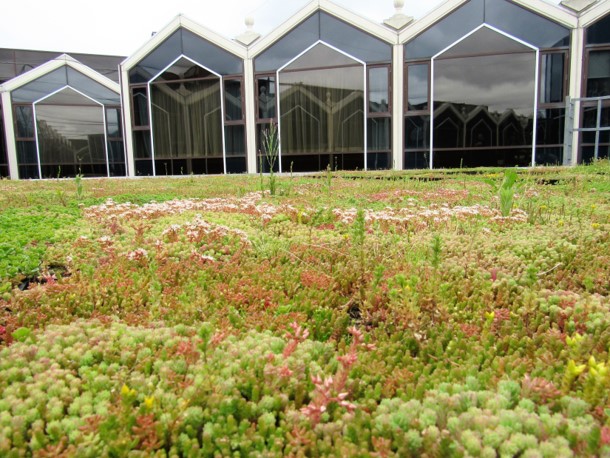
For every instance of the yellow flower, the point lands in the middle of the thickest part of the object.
(126, 391)
(149, 402)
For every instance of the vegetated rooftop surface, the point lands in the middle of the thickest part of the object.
(382, 314)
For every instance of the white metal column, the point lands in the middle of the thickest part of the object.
(397, 107)
(9, 132)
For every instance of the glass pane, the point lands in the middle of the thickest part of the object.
(379, 161)
(590, 121)
(378, 134)
(116, 152)
(549, 156)
(24, 121)
(378, 89)
(27, 172)
(236, 164)
(525, 25)
(417, 87)
(187, 119)
(261, 160)
(158, 59)
(324, 27)
(41, 87)
(446, 31)
(417, 132)
(322, 111)
(416, 160)
(26, 152)
(210, 55)
(141, 145)
(598, 77)
(71, 135)
(290, 45)
(599, 33)
(144, 167)
(353, 41)
(235, 140)
(552, 77)
(551, 125)
(92, 88)
(484, 102)
(484, 41)
(139, 102)
(113, 123)
(266, 97)
(233, 100)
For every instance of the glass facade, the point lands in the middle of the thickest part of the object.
(186, 97)
(597, 84)
(67, 124)
(471, 79)
(333, 96)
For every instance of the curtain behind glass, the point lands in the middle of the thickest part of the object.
(321, 111)
(187, 119)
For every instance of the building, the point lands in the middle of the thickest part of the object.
(473, 83)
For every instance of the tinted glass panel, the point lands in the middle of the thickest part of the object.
(26, 152)
(210, 55)
(141, 145)
(549, 156)
(378, 134)
(24, 121)
(266, 97)
(41, 87)
(113, 123)
(116, 152)
(525, 25)
(551, 124)
(417, 132)
(139, 103)
(484, 102)
(158, 59)
(551, 78)
(187, 120)
(599, 33)
(379, 93)
(417, 87)
(446, 31)
(321, 26)
(28, 172)
(233, 100)
(71, 136)
(321, 111)
(598, 78)
(590, 121)
(290, 45)
(502, 14)
(235, 140)
(353, 41)
(92, 88)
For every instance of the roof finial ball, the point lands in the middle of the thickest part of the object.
(250, 22)
(399, 20)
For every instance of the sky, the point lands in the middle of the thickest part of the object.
(120, 27)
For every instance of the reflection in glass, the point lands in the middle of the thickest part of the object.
(417, 133)
(26, 152)
(598, 76)
(549, 156)
(378, 134)
(3, 153)
(186, 117)
(378, 89)
(266, 97)
(235, 138)
(417, 87)
(24, 121)
(321, 26)
(41, 87)
(139, 102)
(113, 123)
(233, 100)
(551, 124)
(551, 78)
(71, 137)
(482, 103)
(92, 88)
(321, 113)
(502, 14)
